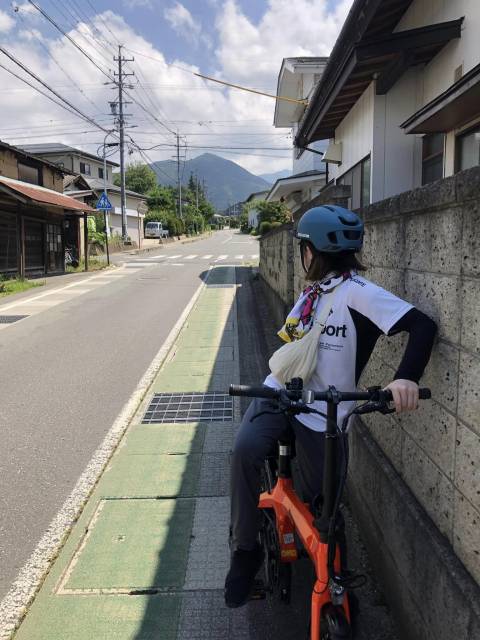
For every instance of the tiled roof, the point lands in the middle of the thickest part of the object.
(42, 195)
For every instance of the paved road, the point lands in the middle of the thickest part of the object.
(69, 368)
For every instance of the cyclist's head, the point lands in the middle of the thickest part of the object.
(333, 235)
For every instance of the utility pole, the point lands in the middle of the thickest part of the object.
(121, 126)
(196, 191)
(179, 182)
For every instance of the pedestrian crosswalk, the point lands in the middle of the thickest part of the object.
(191, 257)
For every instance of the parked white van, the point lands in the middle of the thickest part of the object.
(155, 230)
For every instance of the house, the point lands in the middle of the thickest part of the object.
(36, 219)
(399, 97)
(95, 177)
(297, 80)
(253, 212)
(297, 190)
(89, 190)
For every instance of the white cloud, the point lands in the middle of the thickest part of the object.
(6, 22)
(134, 4)
(208, 114)
(254, 52)
(182, 21)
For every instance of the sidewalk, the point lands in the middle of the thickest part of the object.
(155, 529)
(148, 556)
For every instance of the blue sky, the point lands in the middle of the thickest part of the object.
(241, 41)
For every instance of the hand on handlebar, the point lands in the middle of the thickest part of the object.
(405, 395)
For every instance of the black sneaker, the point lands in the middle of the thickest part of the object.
(241, 577)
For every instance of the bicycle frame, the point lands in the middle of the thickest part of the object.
(294, 515)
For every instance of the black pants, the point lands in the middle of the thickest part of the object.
(256, 440)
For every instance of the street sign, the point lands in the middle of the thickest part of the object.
(104, 203)
(142, 207)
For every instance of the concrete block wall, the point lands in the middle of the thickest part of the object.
(276, 261)
(425, 246)
(415, 478)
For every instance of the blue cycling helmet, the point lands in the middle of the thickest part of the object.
(331, 229)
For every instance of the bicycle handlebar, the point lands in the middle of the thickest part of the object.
(327, 396)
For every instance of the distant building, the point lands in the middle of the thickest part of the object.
(297, 190)
(234, 209)
(91, 168)
(36, 219)
(297, 79)
(253, 213)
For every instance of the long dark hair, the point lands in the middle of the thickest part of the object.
(324, 263)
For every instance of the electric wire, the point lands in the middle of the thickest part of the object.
(43, 83)
(50, 55)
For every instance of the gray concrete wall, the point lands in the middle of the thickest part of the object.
(424, 245)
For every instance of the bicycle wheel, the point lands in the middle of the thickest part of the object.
(334, 625)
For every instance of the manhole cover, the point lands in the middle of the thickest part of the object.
(10, 319)
(189, 407)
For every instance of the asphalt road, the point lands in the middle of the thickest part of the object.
(67, 372)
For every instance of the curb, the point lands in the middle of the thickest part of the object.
(15, 604)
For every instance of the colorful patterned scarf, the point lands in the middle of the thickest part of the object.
(300, 319)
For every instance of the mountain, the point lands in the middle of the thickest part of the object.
(226, 182)
(273, 177)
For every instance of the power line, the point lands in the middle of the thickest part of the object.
(18, 12)
(33, 75)
(75, 44)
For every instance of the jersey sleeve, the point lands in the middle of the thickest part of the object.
(380, 306)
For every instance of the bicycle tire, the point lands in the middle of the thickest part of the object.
(334, 625)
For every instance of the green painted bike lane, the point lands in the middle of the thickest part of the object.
(153, 532)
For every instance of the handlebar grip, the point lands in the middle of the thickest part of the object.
(424, 394)
(252, 392)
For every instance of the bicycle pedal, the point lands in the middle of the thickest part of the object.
(258, 591)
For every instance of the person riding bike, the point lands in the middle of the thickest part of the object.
(360, 312)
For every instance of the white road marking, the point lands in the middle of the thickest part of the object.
(227, 240)
(173, 257)
(191, 257)
(177, 264)
(239, 257)
(254, 256)
(220, 258)
(210, 255)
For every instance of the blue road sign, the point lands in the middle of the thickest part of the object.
(104, 203)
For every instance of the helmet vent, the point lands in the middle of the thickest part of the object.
(352, 235)
(349, 223)
(332, 236)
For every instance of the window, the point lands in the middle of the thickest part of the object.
(358, 179)
(85, 168)
(100, 172)
(432, 157)
(468, 149)
(27, 173)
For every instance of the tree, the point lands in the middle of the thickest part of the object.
(162, 198)
(272, 212)
(138, 177)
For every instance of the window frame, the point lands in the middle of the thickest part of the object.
(85, 165)
(351, 174)
(472, 128)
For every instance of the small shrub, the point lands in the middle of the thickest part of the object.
(264, 227)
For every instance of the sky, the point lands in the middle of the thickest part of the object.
(240, 41)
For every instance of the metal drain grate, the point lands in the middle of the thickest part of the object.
(189, 407)
(10, 319)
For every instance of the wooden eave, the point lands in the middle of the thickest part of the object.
(385, 58)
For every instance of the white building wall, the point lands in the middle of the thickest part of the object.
(355, 132)
(439, 73)
(396, 157)
(463, 52)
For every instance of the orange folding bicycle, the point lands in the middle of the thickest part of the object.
(287, 520)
